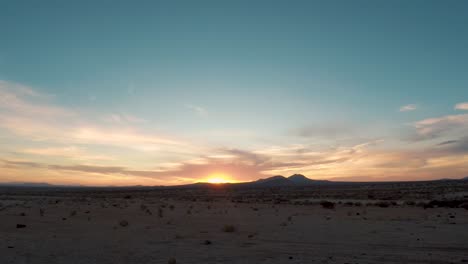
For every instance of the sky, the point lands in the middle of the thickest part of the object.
(122, 93)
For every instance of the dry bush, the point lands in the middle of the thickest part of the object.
(464, 205)
(327, 204)
(229, 228)
(160, 212)
(382, 204)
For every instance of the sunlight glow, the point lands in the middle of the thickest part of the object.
(218, 178)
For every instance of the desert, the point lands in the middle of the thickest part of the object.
(418, 222)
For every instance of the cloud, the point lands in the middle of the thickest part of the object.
(72, 152)
(124, 119)
(447, 142)
(15, 164)
(324, 131)
(30, 115)
(459, 146)
(462, 106)
(16, 100)
(437, 127)
(200, 111)
(409, 107)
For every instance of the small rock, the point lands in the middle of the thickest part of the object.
(124, 223)
(20, 226)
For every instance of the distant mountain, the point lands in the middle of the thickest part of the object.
(299, 179)
(27, 184)
(271, 182)
(279, 181)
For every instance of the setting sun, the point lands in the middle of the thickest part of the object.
(218, 178)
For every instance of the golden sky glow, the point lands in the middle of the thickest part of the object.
(218, 178)
(45, 142)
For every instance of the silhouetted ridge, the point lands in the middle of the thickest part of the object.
(293, 180)
(299, 179)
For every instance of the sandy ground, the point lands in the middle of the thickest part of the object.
(86, 229)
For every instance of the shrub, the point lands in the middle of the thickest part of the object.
(327, 204)
(382, 204)
(229, 228)
(464, 205)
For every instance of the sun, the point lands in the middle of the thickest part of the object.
(217, 178)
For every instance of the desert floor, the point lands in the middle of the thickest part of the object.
(77, 227)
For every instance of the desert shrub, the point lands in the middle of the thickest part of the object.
(160, 212)
(229, 228)
(464, 205)
(327, 204)
(445, 203)
(382, 204)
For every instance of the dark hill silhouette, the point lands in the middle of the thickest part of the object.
(281, 181)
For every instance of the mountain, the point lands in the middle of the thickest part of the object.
(280, 181)
(27, 184)
(299, 179)
(274, 181)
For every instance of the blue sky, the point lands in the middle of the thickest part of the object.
(248, 81)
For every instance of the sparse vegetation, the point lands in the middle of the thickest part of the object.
(327, 204)
(382, 204)
(160, 212)
(229, 228)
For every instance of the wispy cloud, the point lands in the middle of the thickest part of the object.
(72, 152)
(409, 107)
(200, 111)
(17, 100)
(24, 112)
(462, 106)
(124, 118)
(324, 131)
(437, 127)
